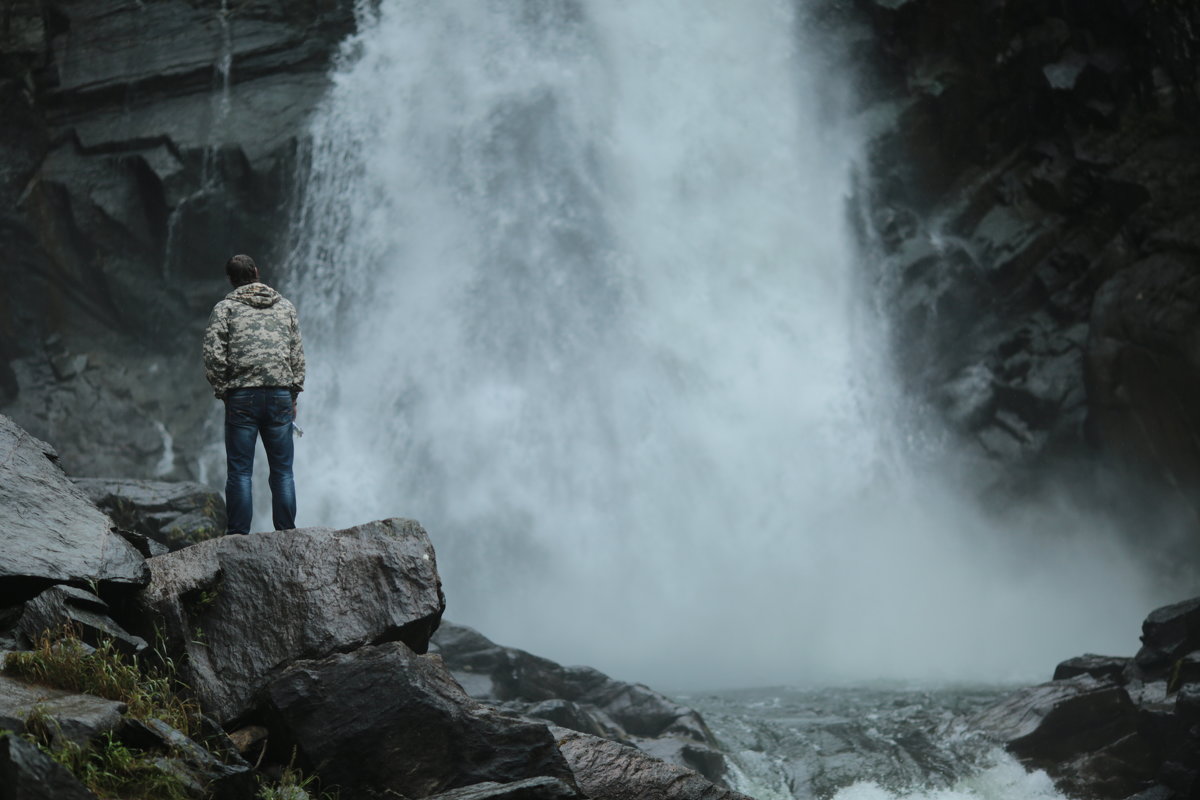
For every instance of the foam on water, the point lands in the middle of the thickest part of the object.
(1004, 780)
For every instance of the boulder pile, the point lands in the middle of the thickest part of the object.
(298, 652)
(580, 699)
(1115, 727)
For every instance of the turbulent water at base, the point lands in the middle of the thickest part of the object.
(867, 742)
(579, 295)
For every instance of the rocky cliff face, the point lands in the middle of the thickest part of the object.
(141, 144)
(1033, 200)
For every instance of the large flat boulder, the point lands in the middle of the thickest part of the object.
(239, 609)
(383, 719)
(52, 533)
(608, 770)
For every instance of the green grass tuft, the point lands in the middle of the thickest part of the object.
(293, 785)
(109, 769)
(61, 660)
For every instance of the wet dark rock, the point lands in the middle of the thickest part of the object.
(1111, 727)
(1033, 207)
(195, 766)
(174, 513)
(1085, 732)
(239, 608)
(1154, 793)
(149, 548)
(82, 612)
(613, 771)
(1144, 368)
(1103, 668)
(26, 773)
(1117, 770)
(529, 789)
(1058, 721)
(63, 715)
(52, 532)
(384, 718)
(580, 698)
(566, 714)
(1187, 680)
(1168, 634)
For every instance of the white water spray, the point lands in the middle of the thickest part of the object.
(579, 296)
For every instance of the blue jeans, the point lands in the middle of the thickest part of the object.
(250, 413)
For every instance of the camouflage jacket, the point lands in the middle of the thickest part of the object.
(253, 339)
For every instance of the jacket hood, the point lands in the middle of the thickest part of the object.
(256, 295)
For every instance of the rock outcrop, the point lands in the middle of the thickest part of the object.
(1110, 727)
(581, 699)
(79, 610)
(613, 771)
(1033, 200)
(385, 717)
(235, 610)
(52, 533)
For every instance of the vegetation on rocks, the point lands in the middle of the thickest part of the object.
(110, 769)
(107, 766)
(60, 659)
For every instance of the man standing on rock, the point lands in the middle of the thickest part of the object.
(254, 359)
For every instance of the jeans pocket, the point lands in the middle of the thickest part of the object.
(239, 406)
(279, 407)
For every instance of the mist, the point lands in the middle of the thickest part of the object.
(579, 293)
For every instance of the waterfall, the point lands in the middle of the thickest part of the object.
(579, 294)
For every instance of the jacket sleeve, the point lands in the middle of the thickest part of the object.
(296, 356)
(216, 351)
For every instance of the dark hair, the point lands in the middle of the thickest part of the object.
(241, 270)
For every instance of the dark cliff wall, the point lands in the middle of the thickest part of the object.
(142, 142)
(1037, 201)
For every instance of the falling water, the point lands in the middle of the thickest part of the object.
(579, 295)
